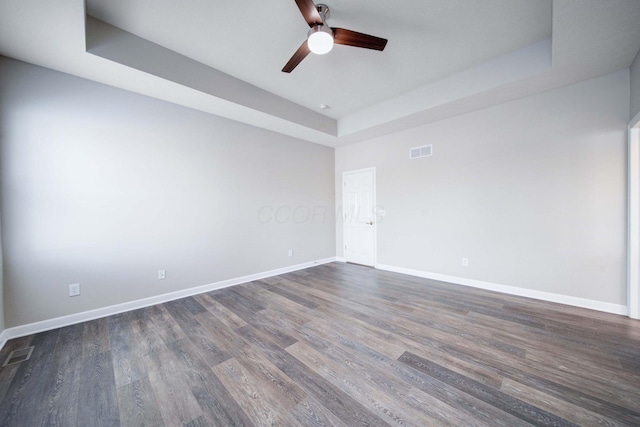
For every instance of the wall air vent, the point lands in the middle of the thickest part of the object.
(424, 151)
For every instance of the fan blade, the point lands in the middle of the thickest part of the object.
(297, 57)
(353, 38)
(309, 12)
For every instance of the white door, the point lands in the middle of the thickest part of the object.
(359, 189)
(633, 248)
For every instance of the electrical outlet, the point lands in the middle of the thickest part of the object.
(290, 252)
(162, 274)
(465, 262)
(74, 290)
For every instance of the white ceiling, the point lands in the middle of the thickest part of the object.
(253, 39)
(443, 57)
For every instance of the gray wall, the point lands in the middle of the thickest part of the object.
(104, 187)
(1, 280)
(533, 192)
(635, 86)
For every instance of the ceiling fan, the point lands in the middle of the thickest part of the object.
(321, 37)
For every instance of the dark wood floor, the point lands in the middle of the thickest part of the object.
(336, 344)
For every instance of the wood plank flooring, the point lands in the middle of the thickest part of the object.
(332, 345)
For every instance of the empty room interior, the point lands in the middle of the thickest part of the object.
(417, 213)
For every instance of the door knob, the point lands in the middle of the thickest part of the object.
(370, 223)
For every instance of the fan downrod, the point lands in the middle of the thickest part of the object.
(324, 12)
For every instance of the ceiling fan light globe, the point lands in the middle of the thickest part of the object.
(320, 39)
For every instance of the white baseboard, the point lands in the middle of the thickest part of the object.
(512, 290)
(72, 319)
(3, 338)
(341, 259)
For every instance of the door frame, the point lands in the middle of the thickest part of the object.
(375, 219)
(633, 228)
